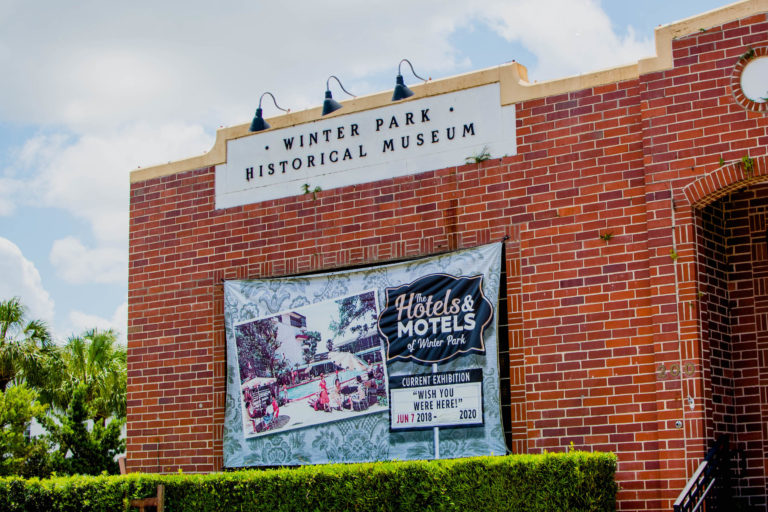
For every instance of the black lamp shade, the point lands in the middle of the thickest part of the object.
(401, 90)
(330, 105)
(258, 124)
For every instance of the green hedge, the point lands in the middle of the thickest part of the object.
(554, 481)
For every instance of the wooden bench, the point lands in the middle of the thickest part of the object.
(158, 501)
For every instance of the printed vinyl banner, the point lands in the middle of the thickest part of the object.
(364, 365)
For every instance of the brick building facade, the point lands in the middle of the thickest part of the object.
(636, 264)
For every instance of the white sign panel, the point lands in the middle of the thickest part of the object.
(446, 399)
(396, 140)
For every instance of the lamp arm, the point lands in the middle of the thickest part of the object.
(412, 70)
(273, 101)
(328, 85)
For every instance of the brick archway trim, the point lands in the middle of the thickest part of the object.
(725, 180)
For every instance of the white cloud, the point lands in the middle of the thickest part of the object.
(77, 264)
(21, 279)
(577, 39)
(108, 64)
(81, 322)
(87, 175)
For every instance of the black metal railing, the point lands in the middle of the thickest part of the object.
(711, 483)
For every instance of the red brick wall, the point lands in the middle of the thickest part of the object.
(590, 322)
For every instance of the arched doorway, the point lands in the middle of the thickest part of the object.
(732, 278)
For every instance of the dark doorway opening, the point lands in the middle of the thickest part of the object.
(733, 304)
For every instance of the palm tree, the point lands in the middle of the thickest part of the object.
(96, 361)
(25, 347)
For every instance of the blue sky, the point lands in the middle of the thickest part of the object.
(90, 93)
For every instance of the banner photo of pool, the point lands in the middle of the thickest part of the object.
(310, 360)
(311, 365)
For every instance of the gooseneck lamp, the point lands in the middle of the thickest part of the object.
(329, 104)
(401, 90)
(258, 124)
